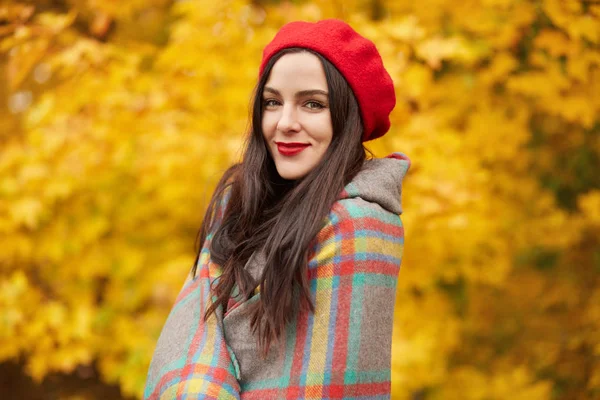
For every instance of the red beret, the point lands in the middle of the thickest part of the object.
(354, 56)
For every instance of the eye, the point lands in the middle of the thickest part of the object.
(314, 105)
(270, 103)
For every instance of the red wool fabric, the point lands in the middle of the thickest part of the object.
(354, 56)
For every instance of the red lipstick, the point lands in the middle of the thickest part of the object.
(290, 149)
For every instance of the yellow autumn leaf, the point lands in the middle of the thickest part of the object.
(27, 211)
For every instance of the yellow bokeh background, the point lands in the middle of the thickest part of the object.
(118, 117)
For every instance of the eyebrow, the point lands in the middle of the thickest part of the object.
(301, 93)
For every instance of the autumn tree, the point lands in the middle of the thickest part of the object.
(119, 117)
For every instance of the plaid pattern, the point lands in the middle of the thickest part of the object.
(204, 370)
(342, 351)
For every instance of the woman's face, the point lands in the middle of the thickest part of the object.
(296, 120)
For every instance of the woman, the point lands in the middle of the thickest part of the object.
(292, 293)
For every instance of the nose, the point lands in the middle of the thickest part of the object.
(288, 119)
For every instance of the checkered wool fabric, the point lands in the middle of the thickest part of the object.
(341, 351)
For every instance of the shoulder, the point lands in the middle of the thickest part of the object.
(378, 183)
(357, 214)
(361, 228)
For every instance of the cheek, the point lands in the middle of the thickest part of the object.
(268, 126)
(325, 133)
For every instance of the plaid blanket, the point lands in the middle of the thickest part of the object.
(342, 350)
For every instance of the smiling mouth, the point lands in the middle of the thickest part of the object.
(290, 149)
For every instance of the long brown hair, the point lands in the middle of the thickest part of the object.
(266, 213)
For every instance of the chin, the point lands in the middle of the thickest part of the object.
(291, 174)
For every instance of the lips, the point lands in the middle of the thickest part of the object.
(290, 149)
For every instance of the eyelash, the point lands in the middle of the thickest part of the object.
(319, 106)
(268, 101)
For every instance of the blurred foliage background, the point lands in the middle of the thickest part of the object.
(117, 118)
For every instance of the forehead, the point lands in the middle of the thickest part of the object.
(298, 70)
